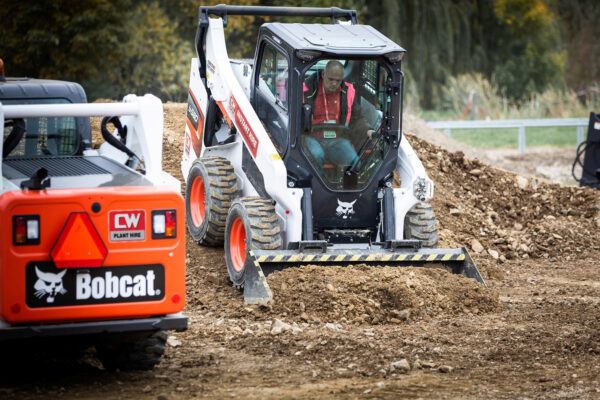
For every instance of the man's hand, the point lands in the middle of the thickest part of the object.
(370, 133)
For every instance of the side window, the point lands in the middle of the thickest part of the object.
(272, 95)
(274, 73)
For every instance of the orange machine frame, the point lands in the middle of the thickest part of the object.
(54, 206)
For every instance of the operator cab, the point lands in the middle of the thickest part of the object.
(343, 155)
(44, 136)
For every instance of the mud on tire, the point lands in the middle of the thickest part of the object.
(420, 224)
(142, 354)
(251, 224)
(210, 187)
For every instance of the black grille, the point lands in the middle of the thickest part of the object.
(63, 166)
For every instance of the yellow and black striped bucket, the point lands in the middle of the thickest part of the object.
(256, 289)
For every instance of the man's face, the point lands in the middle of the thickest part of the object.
(332, 79)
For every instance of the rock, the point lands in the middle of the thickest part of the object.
(401, 366)
(427, 364)
(147, 389)
(417, 364)
(522, 182)
(296, 328)
(518, 226)
(380, 385)
(367, 391)
(330, 287)
(445, 369)
(304, 317)
(279, 327)
(247, 332)
(455, 211)
(173, 341)
(162, 396)
(333, 327)
(494, 254)
(476, 246)
(475, 172)
(404, 315)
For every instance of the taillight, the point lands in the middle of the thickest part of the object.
(164, 224)
(26, 229)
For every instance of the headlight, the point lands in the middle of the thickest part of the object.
(423, 188)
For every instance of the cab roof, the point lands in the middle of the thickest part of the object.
(30, 88)
(334, 38)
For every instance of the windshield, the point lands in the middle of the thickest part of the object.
(349, 101)
(44, 136)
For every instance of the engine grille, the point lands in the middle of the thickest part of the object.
(63, 166)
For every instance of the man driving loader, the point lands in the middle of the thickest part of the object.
(333, 103)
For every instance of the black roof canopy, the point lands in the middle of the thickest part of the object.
(341, 39)
(29, 88)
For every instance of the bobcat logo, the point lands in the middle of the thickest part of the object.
(345, 210)
(49, 284)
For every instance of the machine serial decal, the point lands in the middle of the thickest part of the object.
(244, 127)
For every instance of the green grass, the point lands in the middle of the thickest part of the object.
(509, 138)
(435, 115)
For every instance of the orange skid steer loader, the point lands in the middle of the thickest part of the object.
(279, 184)
(92, 243)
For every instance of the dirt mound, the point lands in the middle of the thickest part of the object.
(364, 294)
(509, 215)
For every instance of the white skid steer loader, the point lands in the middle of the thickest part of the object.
(287, 171)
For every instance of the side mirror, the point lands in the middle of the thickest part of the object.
(306, 117)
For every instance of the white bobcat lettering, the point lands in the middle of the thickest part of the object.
(112, 286)
(345, 210)
(49, 284)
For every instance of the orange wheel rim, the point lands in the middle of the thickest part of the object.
(197, 200)
(237, 244)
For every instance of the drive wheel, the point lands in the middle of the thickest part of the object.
(210, 187)
(251, 225)
(420, 224)
(142, 354)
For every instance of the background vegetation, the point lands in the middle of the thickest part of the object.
(517, 57)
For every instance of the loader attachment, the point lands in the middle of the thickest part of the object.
(257, 291)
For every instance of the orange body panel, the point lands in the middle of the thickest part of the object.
(138, 251)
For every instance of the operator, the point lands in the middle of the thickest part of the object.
(333, 102)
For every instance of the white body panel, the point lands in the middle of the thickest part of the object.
(143, 117)
(410, 169)
(201, 97)
(232, 94)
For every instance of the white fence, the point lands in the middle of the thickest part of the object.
(520, 124)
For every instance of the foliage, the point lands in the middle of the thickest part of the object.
(528, 55)
(580, 31)
(123, 46)
(554, 102)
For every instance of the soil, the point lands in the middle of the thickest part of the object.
(384, 332)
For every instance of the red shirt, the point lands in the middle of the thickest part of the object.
(327, 106)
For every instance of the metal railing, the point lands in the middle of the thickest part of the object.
(520, 124)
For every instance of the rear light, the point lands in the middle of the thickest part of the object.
(26, 229)
(164, 224)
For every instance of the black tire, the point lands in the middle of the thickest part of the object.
(211, 184)
(253, 221)
(142, 354)
(420, 224)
